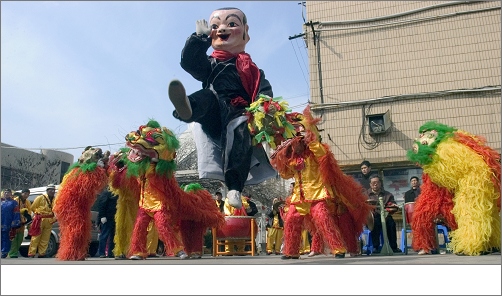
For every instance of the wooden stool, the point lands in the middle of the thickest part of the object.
(239, 231)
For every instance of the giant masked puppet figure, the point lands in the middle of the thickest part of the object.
(181, 217)
(329, 203)
(461, 188)
(230, 83)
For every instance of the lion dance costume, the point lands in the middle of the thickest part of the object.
(181, 217)
(127, 189)
(461, 186)
(72, 206)
(329, 202)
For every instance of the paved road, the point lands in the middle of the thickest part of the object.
(396, 259)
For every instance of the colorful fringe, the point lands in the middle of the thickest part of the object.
(187, 211)
(463, 171)
(434, 202)
(168, 231)
(127, 189)
(196, 206)
(348, 210)
(268, 121)
(348, 192)
(193, 229)
(317, 245)
(292, 232)
(76, 195)
(490, 156)
(324, 223)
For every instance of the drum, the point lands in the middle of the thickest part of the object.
(408, 210)
(237, 227)
(391, 209)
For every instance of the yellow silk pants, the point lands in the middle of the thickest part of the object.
(40, 242)
(152, 239)
(274, 239)
(305, 244)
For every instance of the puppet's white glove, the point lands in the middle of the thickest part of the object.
(201, 27)
(103, 220)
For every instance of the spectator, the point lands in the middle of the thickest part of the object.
(219, 201)
(366, 171)
(374, 193)
(276, 229)
(252, 209)
(25, 214)
(40, 229)
(412, 194)
(11, 220)
(106, 216)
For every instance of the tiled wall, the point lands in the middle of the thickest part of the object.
(369, 62)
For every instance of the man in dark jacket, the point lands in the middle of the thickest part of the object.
(253, 209)
(219, 201)
(412, 194)
(366, 171)
(106, 217)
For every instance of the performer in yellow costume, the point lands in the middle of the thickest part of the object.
(319, 187)
(40, 229)
(276, 231)
(173, 210)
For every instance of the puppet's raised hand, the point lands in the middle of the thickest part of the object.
(201, 27)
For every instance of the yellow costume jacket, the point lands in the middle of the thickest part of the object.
(309, 186)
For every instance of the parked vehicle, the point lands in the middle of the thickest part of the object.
(53, 245)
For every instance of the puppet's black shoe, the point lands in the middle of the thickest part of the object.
(178, 97)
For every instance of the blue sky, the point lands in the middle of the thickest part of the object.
(75, 74)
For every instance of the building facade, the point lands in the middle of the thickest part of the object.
(381, 69)
(26, 169)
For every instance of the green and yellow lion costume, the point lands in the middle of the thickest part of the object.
(461, 187)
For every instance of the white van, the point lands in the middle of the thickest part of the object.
(53, 245)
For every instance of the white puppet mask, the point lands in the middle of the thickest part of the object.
(229, 30)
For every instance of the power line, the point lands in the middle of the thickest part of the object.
(298, 60)
(67, 148)
(123, 143)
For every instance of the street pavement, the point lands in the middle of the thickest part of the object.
(263, 259)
